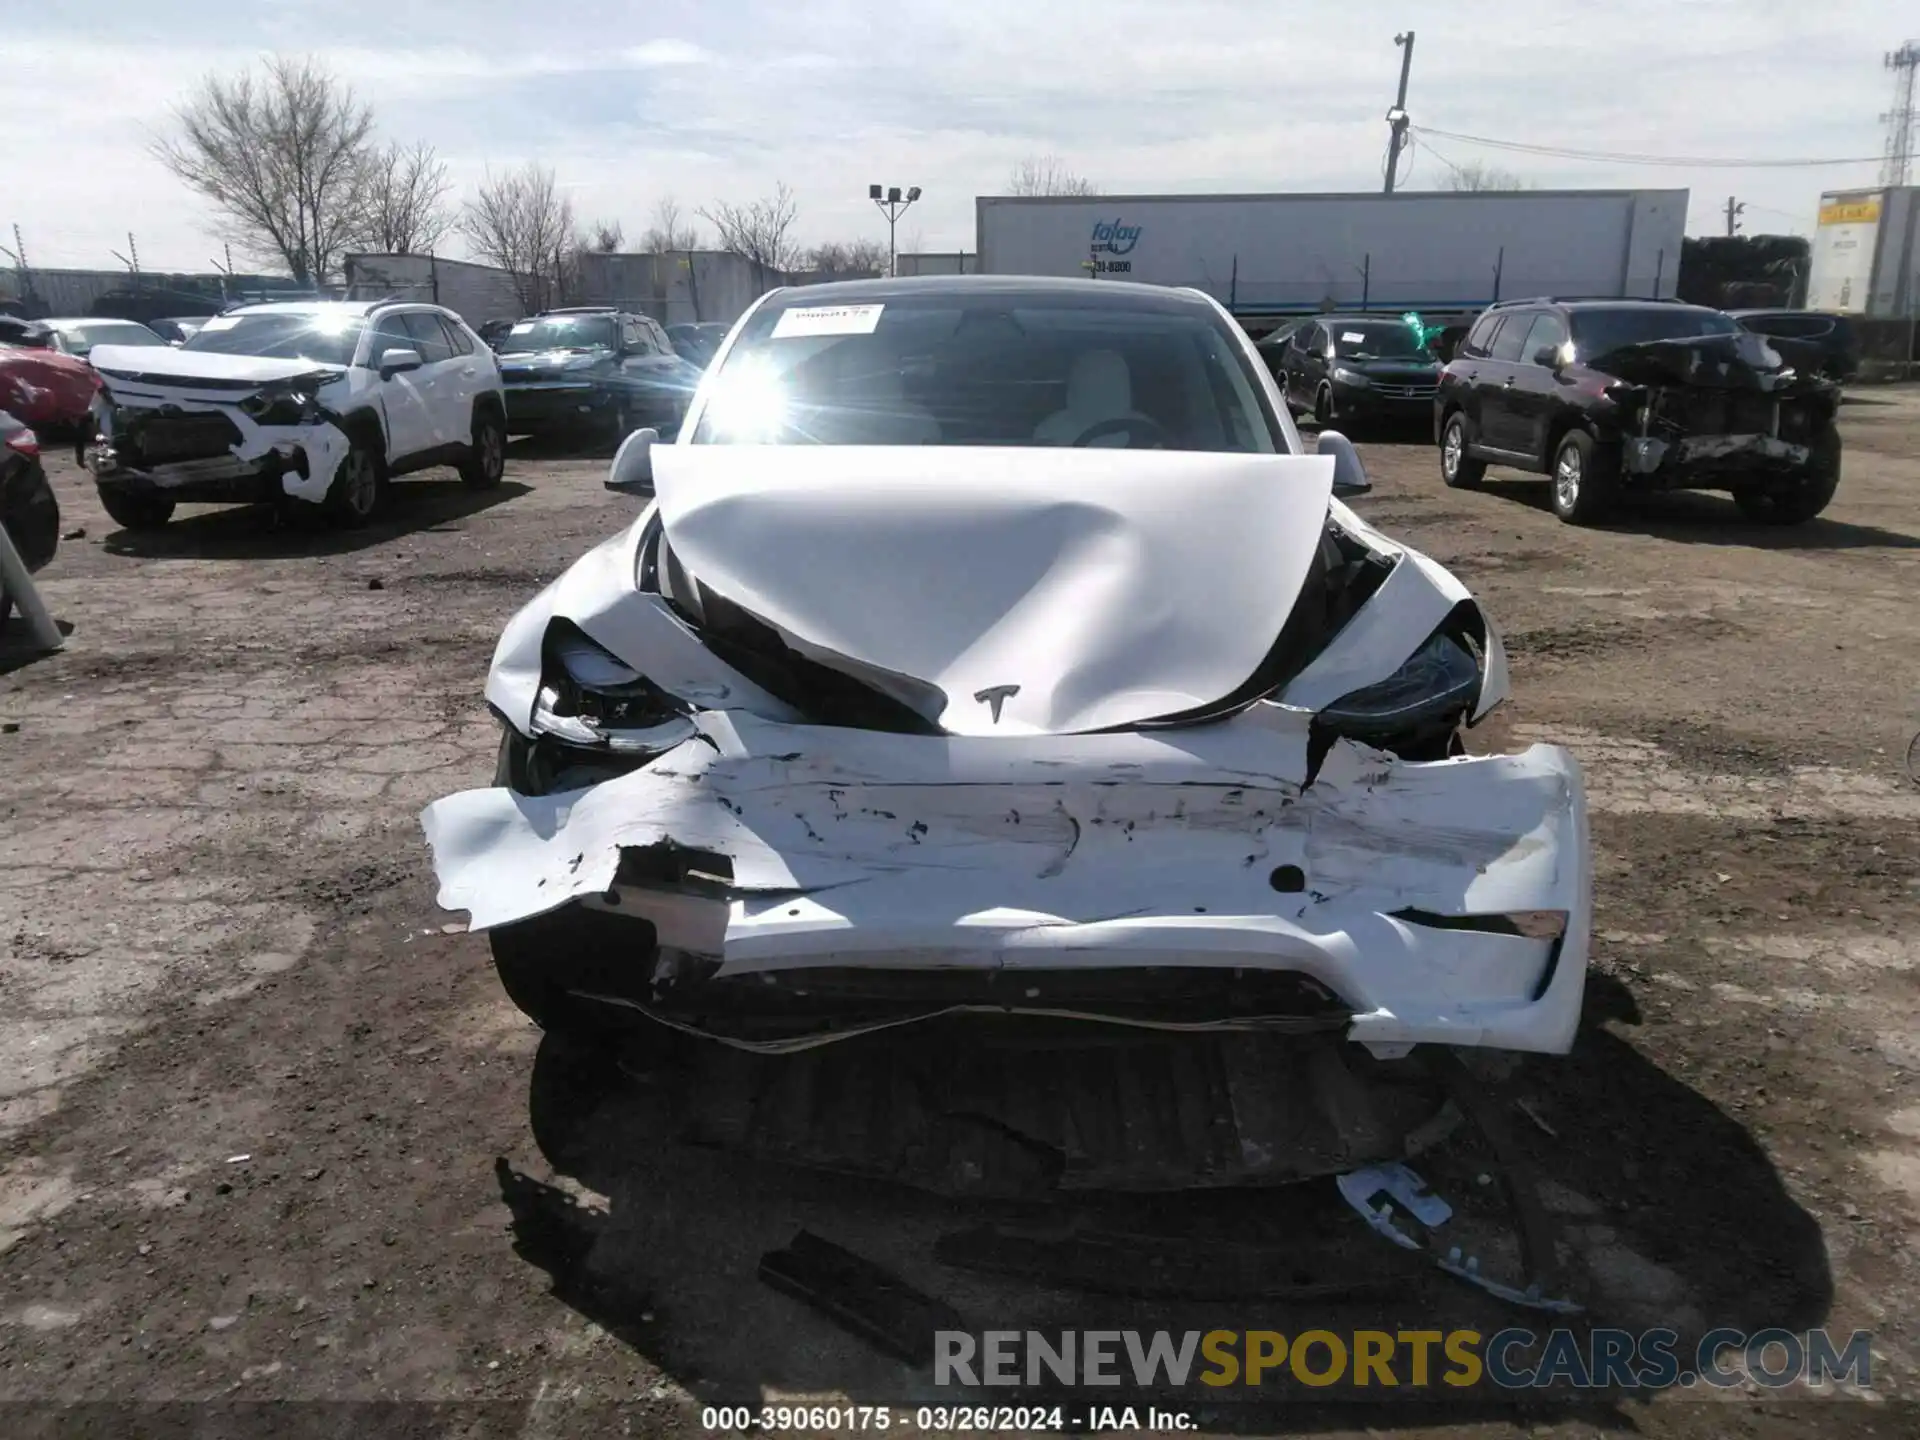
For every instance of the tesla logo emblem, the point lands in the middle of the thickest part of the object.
(996, 696)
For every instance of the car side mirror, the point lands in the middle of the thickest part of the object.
(632, 470)
(392, 362)
(1349, 475)
(1547, 355)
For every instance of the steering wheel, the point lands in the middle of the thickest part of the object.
(1153, 434)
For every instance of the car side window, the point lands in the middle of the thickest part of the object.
(389, 333)
(1547, 333)
(427, 336)
(1479, 340)
(456, 336)
(1510, 343)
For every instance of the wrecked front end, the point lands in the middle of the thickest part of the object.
(261, 434)
(791, 836)
(1719, 412)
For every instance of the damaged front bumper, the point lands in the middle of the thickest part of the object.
(1703, 458)
(213, 454)
(1445, 902)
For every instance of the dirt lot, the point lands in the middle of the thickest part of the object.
(268, 1125)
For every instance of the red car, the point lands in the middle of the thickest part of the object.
(49, 391)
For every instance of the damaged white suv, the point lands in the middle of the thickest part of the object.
(303, 403)
(994, 646)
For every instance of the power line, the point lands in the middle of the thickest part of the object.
(1608, 157)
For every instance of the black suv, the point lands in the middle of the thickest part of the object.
(1609, 396)
(1356, 368)
(592, 372)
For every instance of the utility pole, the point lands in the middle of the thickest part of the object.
(1397, 116)
(1898, 166)
(1735, 209)
(893, 206)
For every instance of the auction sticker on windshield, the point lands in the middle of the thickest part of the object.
(220, 322)
(1353, 337)
(827, 320)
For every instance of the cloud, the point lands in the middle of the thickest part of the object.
(658, 53)
(723, 99)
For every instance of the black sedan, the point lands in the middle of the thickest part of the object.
(1354, 369)
(28, 509)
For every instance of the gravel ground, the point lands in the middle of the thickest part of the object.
(269, 1129)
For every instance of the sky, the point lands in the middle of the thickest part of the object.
(720, 100)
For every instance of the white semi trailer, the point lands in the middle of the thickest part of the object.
(1279, 254)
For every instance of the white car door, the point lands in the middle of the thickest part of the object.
(448, 409)
(402, 395)
(467, 374)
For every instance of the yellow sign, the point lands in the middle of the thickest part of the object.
(1850, 212)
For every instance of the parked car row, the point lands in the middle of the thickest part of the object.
(1607, 397)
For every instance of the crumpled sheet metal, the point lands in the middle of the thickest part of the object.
(1167, 848)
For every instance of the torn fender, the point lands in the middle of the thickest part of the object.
(599, 593)
(1195, 847)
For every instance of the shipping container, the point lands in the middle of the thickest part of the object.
(1280, 254)
(1863, 257)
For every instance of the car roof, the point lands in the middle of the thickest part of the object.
(1120, 294)
(333, 307)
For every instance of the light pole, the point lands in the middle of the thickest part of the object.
(892, 205)
(1397, 116)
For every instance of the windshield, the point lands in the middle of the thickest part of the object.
(1376, 340)
(82, 338)
(560, 332)
(1597, 332)
(996, 369)
(327, 337)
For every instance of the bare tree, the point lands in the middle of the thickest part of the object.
(668, 231)
(522, 223)
(282, 155)
(406, 200)
(761, 231)
(849, 258)
(1048, 175)
(604, 237)
(1475, 176)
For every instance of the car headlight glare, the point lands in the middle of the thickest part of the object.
(1344, 376)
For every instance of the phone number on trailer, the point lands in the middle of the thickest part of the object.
(837, 1418)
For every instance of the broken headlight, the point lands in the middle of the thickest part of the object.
(592, 697)
(1432, 690)
(282, 407)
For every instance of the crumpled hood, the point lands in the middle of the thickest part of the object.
(1040, 590)
(163, 363)
(1744, 361)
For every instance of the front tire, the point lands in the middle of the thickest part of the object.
(1457, 466)
(1324, 410)
(132, 511)
(354, 497)
(485, 462)
(531, 956)
(1807, 496)
(1585, 478)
